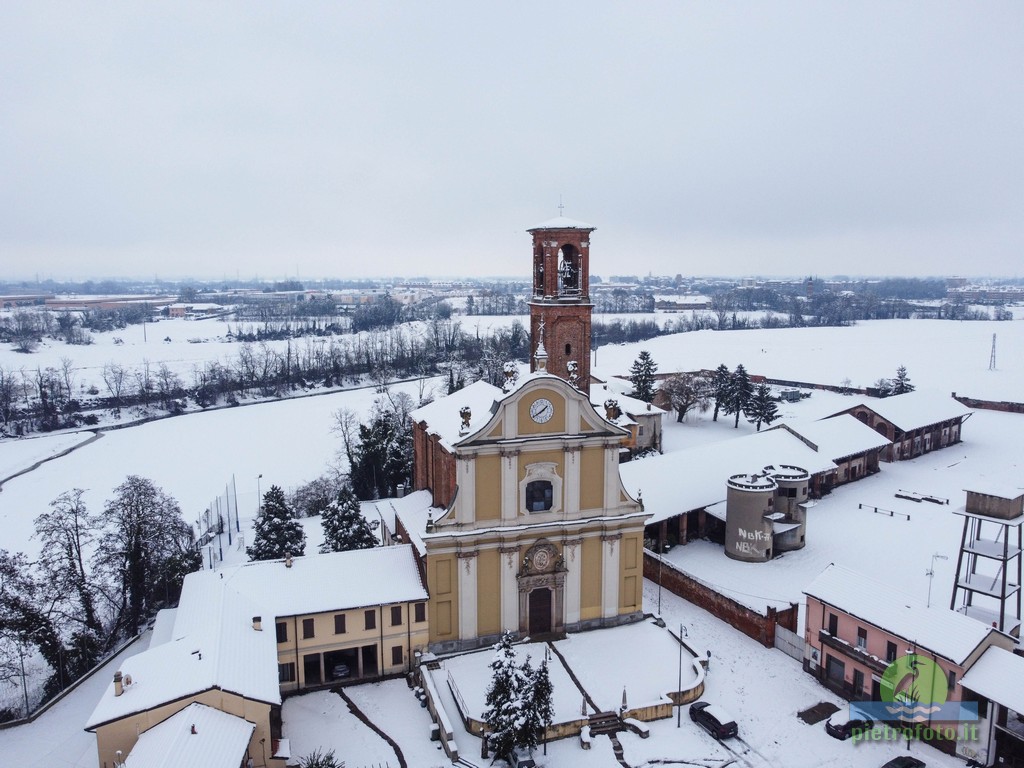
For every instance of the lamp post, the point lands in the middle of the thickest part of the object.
(679, 686)
(930, 573)
(259, 496)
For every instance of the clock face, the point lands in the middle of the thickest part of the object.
(541, 410)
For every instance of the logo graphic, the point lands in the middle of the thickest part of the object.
(913, 690)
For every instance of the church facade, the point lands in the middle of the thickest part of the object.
(531, 530)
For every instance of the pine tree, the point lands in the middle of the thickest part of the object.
(542, 704)
(345, 527)
(504, 713)
(901, 384)
(739, 393)
(720, 388)
(641, 374)
(278, 533)
(762, 408)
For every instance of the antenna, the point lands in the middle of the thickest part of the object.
(992, 358)
(560, 206)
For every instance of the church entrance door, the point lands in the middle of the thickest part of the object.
(540, 611)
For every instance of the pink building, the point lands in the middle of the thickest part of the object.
(856, 626)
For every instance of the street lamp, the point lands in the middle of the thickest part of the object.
(679, 687)
(930, 573)
(259, 496)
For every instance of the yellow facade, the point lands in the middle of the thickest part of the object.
(541, 536)
(367, 642)
(122, 734)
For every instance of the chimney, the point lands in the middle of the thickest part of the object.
(288, 561)
(118, 685)
(257, 623)
(194, 731)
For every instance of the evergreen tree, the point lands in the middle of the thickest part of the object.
(901, 384)
(720, 381)
(505, 706)
(278, 533)
(642, 375)
(143, 532)
(345, 527)
(884, 387)
(382, 456)
(542, 705)
(739, 393)
(762, 408)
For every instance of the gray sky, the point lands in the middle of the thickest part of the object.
(422, 138)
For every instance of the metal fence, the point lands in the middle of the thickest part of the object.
(790, 643)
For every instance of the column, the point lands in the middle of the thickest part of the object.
(509, 484)
(465, 477)
(509, 589)
(610, 575)
(571, 481)
(572, 552)
(467, 595)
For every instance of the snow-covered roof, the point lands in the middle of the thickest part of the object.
(937, 629)
(198, 736)
(214, 645)
(442, 416)
(690, 479)
(326, 582)
(413, 510)
(163, 627)
(629, 405)
(913, 410)
(838, 437)
(561, 222)
(999, 676)
(997, 489)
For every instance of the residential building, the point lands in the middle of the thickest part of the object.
(856, 626)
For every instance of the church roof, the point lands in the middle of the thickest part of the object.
(560, 222)
(443, 418)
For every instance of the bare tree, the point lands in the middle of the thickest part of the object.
(115, 376)
(687, 391)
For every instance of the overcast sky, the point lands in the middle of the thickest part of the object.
(423, 138)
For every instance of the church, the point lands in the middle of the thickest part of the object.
(528, 528)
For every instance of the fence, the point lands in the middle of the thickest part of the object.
(790, 643)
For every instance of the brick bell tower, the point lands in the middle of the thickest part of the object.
(560, 304)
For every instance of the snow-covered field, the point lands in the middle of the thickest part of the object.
(193, 457)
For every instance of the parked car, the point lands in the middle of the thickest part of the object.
(845, 730)
(715, 720)
(904, 761)
(339, 671)
(518, 759)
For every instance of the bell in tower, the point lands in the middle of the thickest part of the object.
(561, 299)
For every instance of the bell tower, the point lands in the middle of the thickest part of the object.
(560, 306)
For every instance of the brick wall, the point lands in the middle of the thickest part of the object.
(760, 627)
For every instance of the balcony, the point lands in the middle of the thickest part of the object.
(854, 652)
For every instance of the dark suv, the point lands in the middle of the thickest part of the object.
(845, 730)
(715, 720)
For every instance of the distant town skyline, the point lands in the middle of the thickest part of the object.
(358, 140)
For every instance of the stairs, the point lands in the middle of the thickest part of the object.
(604, 722)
